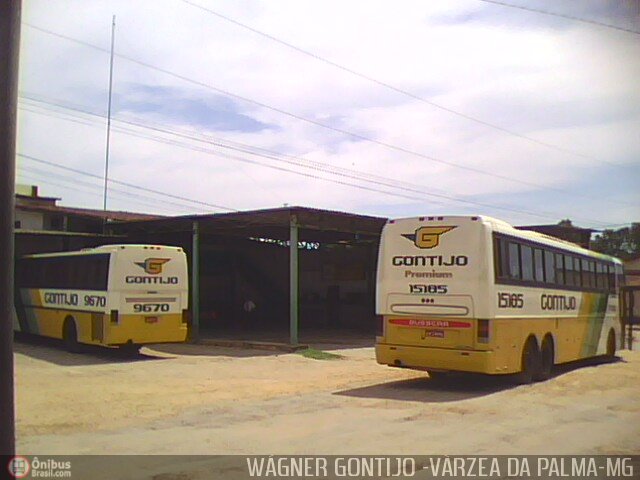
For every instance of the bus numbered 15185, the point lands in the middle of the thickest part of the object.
(112, 295)
(474, 294)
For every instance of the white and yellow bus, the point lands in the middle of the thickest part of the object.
(474, 294)
(112, 295)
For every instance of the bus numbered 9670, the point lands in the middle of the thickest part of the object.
(112, 295)
(474, 294)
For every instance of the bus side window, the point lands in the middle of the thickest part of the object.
(514, 261)
(62, 275)
(102, 276)
(601, 277)
(538, 263)
(21, 278)
(612, 278)
(33, 273)
(577, 278)
(560, 275)
(568, 270)
(586, 273)
(501, 263)
(619, 276)
(549, 267)
(526, 258)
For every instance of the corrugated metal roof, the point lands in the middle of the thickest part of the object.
(315, 224)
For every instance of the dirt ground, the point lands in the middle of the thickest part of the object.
(190, 399)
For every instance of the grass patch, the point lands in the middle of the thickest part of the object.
(318, 354)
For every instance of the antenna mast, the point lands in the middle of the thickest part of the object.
(106, 160)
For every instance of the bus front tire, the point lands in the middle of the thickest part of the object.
(611, 345)
(546, 360)
(70, 336)
(530, 363)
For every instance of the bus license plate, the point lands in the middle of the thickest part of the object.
(433, 334)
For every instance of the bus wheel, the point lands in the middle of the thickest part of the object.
(546, 359)
(70, 335)
(611, 345)
(530, 363)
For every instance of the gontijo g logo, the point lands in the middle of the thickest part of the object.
(153, 266)
(427, 237)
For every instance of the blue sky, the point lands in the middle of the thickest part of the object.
(568, 86)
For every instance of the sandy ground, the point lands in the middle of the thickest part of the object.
(189, 399)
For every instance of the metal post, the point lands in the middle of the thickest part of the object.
(293, 281)
(630, 303)
(195, 282)
(106, 159)
(9, 48)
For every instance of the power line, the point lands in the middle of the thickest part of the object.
(562, 15)
(315, 122)
(297, 161)
(397, 89)
(130, 185)
(347, 175)
(48, 174)
(77, 119)
(422, 192)
(44, 180)
(224, 143)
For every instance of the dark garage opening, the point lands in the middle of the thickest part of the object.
(244, 271)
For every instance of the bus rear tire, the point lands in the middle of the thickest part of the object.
(611, 345)
(546, 360)
(530, 363)
(70, 336)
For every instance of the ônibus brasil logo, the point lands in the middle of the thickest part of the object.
(427, 237)
(19, 467)
(153, 266)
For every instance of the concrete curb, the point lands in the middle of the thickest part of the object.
(273, 346)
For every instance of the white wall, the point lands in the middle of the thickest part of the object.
(29, 220)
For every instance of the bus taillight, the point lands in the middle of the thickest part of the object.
(114, 316)
(483, 331)
(185, 316)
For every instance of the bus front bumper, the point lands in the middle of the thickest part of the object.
(448, 359)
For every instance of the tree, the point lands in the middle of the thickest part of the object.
(623, 243)
(565, 223)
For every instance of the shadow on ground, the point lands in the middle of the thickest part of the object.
(424, 389)
(456, 386)
(326, 339)
(193, 349)
(53, 351)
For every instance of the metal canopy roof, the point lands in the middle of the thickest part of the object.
(315, 225)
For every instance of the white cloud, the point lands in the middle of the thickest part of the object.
(574, 87)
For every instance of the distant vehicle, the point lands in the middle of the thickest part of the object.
(112, 295)
(474, 294)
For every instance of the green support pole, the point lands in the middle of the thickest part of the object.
(293, 281)
(195, 282)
